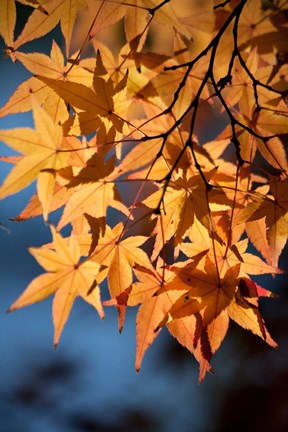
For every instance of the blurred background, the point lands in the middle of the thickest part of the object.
(89, 384)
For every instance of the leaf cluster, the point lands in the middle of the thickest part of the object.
(119, 144)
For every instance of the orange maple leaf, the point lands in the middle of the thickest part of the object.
(212, 300)
(154, 308)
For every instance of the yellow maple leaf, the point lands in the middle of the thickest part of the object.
(274, 207)
(8, 21)
(41, 149)
(93, 191)
(120, 256)
(67, 276)
(52, 66)
(105, 104)
(45, 18)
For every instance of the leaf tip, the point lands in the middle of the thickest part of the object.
(273, 344)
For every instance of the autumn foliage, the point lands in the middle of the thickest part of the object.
(162, 213)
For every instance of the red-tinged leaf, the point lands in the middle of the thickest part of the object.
(248, 317)
(250, 289)
(207, 298)
(211, 339)
(11, 159)
(120, 302)
(181, 203)
(187, 331)
(206, 292)
(150, 313)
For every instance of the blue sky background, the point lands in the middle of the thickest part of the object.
(89, 383)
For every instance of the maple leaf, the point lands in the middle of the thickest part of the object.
(257, 28)
(213, 300)
(150, 151)
(148, 317)
(120, 256)
(52, 66)
(274, 207)
(105, 104)
(244, 309)
(41, 149)
(272, 148)
(34, 207)
(135, 12)
(180, 200)
(154, 308)
(8, 21)
(93, 191)
(42, 156)
(67, 277)
(136, 23)
(151, 311)
(150, 99)
(60, 194)
(227, 256)
(165, 84)
(45, 18)
(104, 14)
